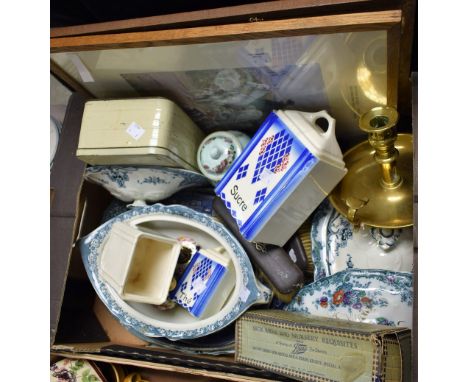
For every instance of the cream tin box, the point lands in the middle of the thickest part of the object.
(142, 131)
(283, 174)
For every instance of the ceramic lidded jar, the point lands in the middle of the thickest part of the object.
(218, 151)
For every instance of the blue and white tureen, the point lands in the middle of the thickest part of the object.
(143, 184)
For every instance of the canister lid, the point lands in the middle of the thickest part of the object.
(216, 154)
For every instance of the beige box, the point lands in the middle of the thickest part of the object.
(140, 131)
(322, 349)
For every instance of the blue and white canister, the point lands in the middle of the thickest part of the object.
(203, 284)
(282, 175)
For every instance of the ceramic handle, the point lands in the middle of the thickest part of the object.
(265, 293)
(312, 119)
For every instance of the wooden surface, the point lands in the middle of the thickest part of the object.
(254, 30)
(414, 81)
(406, 44)
(393, 58)
(241, 13)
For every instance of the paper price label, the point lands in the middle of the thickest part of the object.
(135, 131)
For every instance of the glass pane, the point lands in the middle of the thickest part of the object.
(236, 84)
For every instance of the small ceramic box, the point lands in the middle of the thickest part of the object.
(206, 284)
(139, 265)
(283, 174)
(142, 131)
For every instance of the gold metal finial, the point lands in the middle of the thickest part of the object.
(378, 188)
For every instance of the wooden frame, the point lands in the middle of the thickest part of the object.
(260, 11)
(367, 21)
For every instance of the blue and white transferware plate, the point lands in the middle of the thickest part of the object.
(372, 296)
(143, 184)
(336, 246)
(174, 221)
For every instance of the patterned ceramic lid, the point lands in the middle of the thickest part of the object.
(216, 154)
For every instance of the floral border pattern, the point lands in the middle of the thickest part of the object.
(119, 175)
(375, 296)
(90, 247)
(330, 232)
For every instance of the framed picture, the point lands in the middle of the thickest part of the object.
(231, 76)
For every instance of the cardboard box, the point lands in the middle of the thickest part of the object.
(81, 326)
(323, 349)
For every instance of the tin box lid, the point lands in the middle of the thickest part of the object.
(132, 123)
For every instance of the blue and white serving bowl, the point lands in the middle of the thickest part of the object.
(139, 185)
(337, 246)
(372, 296)
(174, 221)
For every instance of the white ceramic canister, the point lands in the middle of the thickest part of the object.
(218, 151)
(139, 265)
(139, 131)
(282, 175)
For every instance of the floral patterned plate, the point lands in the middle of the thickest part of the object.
(75, 370)
(372, 296)
(143, 184)
(336, 246)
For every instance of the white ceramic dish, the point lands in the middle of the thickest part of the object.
(336, 246)
(174, 221)
(143, 184)
(55, 129)
(372, 296)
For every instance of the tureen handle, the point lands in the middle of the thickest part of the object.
(265, 293)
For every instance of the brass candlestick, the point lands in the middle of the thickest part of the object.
(378, 188)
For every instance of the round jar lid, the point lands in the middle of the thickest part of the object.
(216, 154)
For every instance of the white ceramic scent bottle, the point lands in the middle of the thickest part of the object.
(218, 151)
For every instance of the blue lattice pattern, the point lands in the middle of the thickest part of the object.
(260, 195)
(183, 286)
(274, 154)
(242, 172)
(202, 270)
(231, 210)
